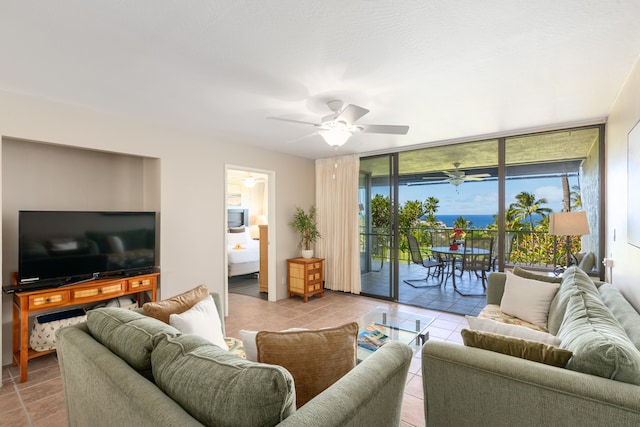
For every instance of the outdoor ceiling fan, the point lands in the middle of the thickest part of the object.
(336, 128)
(457, 177)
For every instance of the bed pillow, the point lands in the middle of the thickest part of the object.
(161, 310)
(516, 331)
(237, 238)
(517, 347)
(202, 319)
(528, 299)
(300, 353)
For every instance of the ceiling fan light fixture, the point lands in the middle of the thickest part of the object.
(249, 181)
(335, 137)
(456, 181)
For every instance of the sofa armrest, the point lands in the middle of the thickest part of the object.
(369, 395)
(467, 386)
(495, 287)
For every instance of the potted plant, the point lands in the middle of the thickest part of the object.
(305, 224)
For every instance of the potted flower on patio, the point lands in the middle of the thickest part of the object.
(455, 236)
(305, 224)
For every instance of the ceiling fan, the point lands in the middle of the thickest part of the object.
(336, 128)
(457, 177)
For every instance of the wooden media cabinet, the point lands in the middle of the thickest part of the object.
(27, 302)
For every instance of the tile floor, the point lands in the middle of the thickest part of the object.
(40, 401)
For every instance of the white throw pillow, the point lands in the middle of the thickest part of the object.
(202, 319)
(249, 342)
(528, 299)
(516, 331)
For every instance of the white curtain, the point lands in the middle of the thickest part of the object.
(337, 204)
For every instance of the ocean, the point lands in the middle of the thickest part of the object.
(477, 221)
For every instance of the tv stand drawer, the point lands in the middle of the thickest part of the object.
(42, 301)
(98, 292)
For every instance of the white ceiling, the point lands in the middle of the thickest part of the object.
(448, 69)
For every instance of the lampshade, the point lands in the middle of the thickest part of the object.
(335, 137)
(261, 220)
(568, 224)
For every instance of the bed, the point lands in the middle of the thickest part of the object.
(243, 252)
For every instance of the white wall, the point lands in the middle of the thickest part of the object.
(191, 175)
(625, 114)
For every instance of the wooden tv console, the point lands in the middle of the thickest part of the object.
(25, 303)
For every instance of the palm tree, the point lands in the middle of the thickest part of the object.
(576, 197)
(526, 206)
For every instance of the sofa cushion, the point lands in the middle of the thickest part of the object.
(573, 280)
(316, 358)
(527, 274)
(492, 311)
(219, 388)
(599, 344)
(127, 334)
(624, 312)
(201, 319)
(161, 310)
(518, 347)
(516, 331)
(528, 299)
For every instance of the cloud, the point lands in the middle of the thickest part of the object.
(552, 193)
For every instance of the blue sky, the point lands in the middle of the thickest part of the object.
(481, 198)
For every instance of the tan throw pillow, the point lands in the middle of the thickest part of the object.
(161, 310)
(518, 347)
(315, 358)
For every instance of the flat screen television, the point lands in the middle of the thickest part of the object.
(70, 246)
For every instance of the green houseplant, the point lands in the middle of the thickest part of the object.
(305, 224)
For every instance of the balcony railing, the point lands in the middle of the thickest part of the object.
(523, 248)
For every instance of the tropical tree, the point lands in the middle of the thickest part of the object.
(431, 207)
(576, 198)
(380, 209)
(462, 222)
(526, 206)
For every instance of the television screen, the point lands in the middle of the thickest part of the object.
(68, 245)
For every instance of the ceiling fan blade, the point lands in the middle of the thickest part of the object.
(391, 129)
(478, 175)
(473, 178)
(351, 113)
(435, 177)
(293, 121)
(302, 138)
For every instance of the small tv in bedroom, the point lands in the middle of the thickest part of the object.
(70, 246)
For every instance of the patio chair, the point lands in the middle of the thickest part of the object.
(430, 263)
(477, 258)
(378, 248)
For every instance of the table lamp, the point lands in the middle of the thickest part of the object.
(567, 224)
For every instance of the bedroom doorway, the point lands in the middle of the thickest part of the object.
(247, 232)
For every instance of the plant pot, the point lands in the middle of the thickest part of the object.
(307, 253)
(453, 246)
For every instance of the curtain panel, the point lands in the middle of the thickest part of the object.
(338, 222)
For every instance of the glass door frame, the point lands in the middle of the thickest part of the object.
(392, 233)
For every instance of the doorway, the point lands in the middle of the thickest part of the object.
(249, 252)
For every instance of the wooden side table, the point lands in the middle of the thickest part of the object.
(306, 277)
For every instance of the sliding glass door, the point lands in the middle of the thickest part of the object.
(378, 226)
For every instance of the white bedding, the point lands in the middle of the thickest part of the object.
(243, 254)
(250, 251)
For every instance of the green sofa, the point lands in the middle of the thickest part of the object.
(138, 371)
(467, 386)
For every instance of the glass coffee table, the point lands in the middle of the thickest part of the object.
(382, 325)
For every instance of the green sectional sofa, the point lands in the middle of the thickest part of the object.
(122, 368)
(599, 385)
